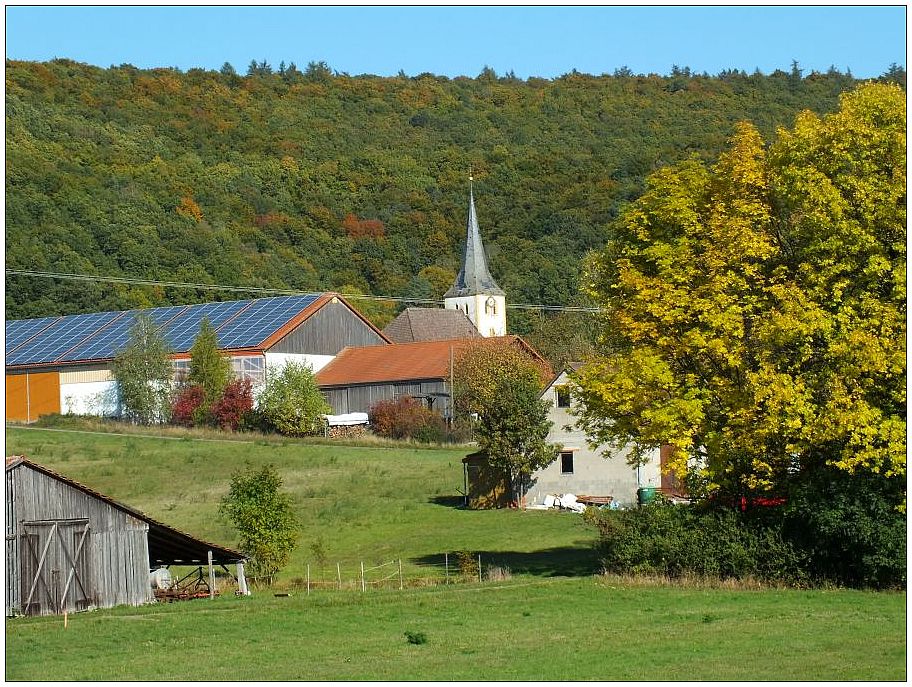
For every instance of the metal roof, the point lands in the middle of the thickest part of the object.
(245, 325)
(474, 277)
(420, 360)
(167, 545)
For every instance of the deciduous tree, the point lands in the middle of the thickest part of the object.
(754, 311)
(502, 385)
(264, 518)
(291, 403)
(143, 374)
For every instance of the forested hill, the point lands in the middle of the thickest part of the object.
(314, 181)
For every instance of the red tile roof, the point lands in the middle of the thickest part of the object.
(398, 362)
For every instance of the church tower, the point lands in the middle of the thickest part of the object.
(474, 291)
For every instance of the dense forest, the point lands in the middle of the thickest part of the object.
(314, 180)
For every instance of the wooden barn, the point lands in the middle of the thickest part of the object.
(359, 377)
(69, 548)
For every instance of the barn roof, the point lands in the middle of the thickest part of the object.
(167, 545)
(419, 360)
(241, 326)
(430, 324)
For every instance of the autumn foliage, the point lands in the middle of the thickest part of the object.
(406, 418)
(187, 403)
(754, 310)
(234, 406)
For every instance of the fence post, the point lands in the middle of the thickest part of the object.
(400, 574)
(339, 575)
(211, 577)
(308, 579)
(479, 567)
(362, 576)
(446, 568)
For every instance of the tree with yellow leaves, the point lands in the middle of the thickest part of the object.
(754, 311)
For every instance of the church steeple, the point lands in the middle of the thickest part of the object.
(475, 292)
(474, 277)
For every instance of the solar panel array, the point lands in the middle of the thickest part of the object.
(100, 336)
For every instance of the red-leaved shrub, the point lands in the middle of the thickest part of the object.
(184, 409)
(235, 404)
(406, 418)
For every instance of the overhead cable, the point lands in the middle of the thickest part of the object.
(270, 291)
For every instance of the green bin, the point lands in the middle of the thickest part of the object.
(646, 495)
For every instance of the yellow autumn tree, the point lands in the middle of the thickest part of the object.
(753, 311)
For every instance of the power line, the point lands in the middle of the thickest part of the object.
(269, 291)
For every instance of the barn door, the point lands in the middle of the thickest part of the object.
(55, 567)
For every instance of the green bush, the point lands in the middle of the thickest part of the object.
(291, 403)
(851, 527)
(676, 540)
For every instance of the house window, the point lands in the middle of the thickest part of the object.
(179, 370)
(249, 367)
(563, 396)
(566, 458)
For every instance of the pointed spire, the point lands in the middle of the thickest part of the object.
(474, 277)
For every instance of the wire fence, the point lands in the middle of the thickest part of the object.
(452, 568)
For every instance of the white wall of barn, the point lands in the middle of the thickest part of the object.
(276, 361)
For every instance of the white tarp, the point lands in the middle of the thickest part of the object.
(346, 419)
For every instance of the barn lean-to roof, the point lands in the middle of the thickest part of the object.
(167, 545)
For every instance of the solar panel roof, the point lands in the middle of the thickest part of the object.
(65, 333)
(109, 341)
(20, 331)
(260, 319)
(100, 336)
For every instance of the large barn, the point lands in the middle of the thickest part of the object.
(69, 548)
(359, 377)
(63, 364)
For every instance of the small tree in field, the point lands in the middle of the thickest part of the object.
(142, 371)
(264, 518)
(502, 385)
(208, 368)
(291, 403)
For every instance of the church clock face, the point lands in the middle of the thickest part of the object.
(491, 306)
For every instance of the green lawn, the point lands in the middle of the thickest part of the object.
(553, 620)
(531, 629)
(357, 504)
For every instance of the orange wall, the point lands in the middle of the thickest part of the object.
(28, 396)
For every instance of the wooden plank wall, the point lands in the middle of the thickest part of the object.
(118, 543)
(359, 398)
(328, 331)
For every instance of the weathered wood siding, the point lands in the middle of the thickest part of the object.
(328, 331)
(359, 398)
(117, 553)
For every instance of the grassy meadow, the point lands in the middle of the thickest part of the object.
(534, 629)
(552, 619)
(354, 503)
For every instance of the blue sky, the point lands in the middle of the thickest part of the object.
(461, 40)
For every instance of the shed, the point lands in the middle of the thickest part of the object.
(486, 486)
(70, 548)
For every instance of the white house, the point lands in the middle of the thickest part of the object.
(581, 470)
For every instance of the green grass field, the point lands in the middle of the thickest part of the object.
(538, 629)
(552, 620)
